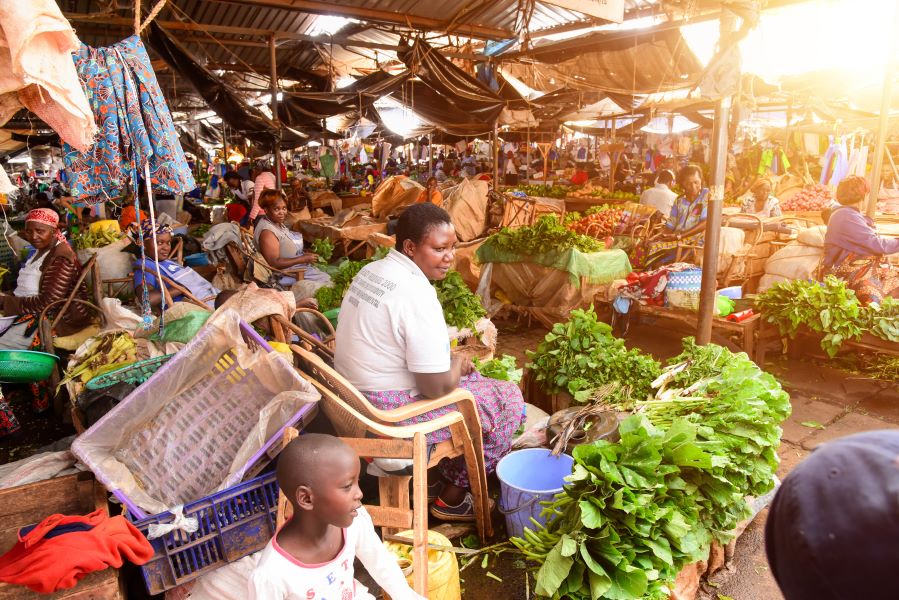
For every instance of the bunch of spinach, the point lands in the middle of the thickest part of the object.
(504, 369)
(581, 355)
(324, 248)
(461, 308)
(883, 320)
(545, 236)
(635, 512)
(829, 307)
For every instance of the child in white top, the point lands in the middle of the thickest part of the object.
(311, 557)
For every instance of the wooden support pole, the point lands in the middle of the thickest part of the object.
(496, 155)
(276, 151)
(883, 125)
(709, 291)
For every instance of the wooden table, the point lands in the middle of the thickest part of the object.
(769, 333)
(744, 334)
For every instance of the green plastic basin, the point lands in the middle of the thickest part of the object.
(25, 366)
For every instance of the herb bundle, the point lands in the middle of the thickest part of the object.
(544, 236)
(462, 309)
(581, 355)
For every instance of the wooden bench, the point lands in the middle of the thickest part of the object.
(743, 335)
(769, 333)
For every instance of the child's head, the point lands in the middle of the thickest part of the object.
(319, 474)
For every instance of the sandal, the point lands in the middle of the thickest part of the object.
(434, 490)
(464, 511)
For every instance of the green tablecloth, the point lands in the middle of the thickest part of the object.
(596, 267)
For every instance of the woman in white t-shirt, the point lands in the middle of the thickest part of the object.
(393, 345)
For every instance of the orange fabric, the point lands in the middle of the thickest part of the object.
(58, 563)
(435, 198)
(129, 216)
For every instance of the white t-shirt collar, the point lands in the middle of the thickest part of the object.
(406, 262)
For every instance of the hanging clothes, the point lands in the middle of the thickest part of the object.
(136, 126)
(36, 70)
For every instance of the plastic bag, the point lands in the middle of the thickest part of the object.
(184, 329)
(724, 305)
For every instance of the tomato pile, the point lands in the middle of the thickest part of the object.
(598, 225)
(814, 197)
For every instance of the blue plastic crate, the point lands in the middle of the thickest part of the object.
(233, 523)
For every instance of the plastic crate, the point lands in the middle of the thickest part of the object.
(233, 523)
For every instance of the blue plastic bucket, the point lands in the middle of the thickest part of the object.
(527, 478)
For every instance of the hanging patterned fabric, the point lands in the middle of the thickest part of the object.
(135, 126)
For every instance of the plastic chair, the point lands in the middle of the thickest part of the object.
(283, 328)
(344, 405)
(407, 442)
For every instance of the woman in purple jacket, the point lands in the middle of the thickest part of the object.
(852, 249)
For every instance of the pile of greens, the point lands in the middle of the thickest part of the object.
(504, 369)
(581, 356)
(546, 235)
(829, 307)
(543, 191)
(461, 308)
(635, 512)
(330, 297)
(324, 248)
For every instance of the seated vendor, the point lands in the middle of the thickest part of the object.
(686, 225)
(852, 249)
(48, 276)
(129, 215)
(145, 269)
(431, 193)
(281, 248)
(392, 344)
(762, 204)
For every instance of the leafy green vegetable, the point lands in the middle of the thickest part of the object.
(582, 355)
(571, 217)
(461, 308)
(883, 320)
(830, 308)
(812, 425)
(546, 235)
(324, 248)
(503, 368)
(598, 208)
(635, 512)
(543, 191)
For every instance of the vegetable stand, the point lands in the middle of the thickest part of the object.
(348, 237)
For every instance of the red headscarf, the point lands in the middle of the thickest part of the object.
(46, 216)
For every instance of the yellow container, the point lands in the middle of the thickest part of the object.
(443, 568)
(109, 225)
(282, 348)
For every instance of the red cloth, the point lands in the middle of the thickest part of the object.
(236, 211)
(579, 178)
(47, 565)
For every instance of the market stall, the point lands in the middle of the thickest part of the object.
(544, 270)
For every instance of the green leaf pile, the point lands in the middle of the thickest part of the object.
(504, 369)
(581, 355)
(462, 309)
(544, 236)
(635, 512)
(324, 248)
(830, 308)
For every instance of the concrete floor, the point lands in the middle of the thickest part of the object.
(831, 403)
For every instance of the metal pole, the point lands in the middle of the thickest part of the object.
(224, 146)
(430, 156)
(709, 291)
(495, 155)
(887, 99)
(276, 151)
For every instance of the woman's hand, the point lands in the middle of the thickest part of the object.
(308, 303)
(463, 364)
(309, 258)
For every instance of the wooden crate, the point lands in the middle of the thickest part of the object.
(77, 494)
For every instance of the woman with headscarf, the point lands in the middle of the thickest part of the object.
(47, 276)
(685, 225)
(761, 203)
(852, 249)
(145, 269)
